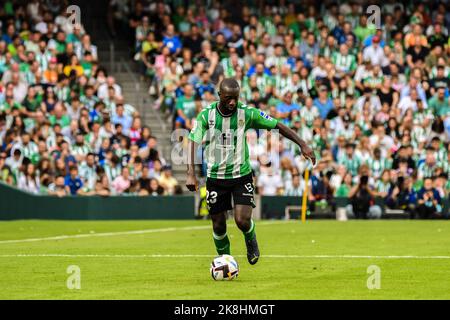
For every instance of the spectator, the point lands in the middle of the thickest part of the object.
(429, 201)
(167, 180)
(297, 188)
(269, 183)
(171, 40)
(285, 107)
(102, 186)
(122, 182)
(121, 118)
(402, 196)
(185, 108)
(323, 103)
(154, 189)
(28, 180)
(73, 182)
(362, 198)
(58, 187)
(321, 189)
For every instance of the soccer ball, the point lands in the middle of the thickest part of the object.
(224, 267)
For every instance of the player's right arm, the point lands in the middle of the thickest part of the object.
(194, 139)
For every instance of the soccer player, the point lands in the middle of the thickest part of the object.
(229, 174)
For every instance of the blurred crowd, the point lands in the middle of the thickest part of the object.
(372, 100)
(65, 128)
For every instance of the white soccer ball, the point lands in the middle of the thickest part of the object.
(224, 267)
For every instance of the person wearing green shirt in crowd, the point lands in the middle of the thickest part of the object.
(59, 117)
(383, 185)
(32, 100)
(345, 63)
(439, 103)
(299, 25)
(229, 174)
(86, 63)
(363, 30)
(9, 104)
(345, 187)
(185, 108)
(350, 160)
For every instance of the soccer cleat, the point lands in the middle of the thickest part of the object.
(252, 250)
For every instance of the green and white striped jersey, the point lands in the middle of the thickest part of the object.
(283, 84)
(263, 82)
(377, 166)
(112, 172)
(343, 63)
(82, 150)
(28, 151)
(426, 171)
(351, 164)
(88, 174)
(309, 114)
(63, 93)
(441, 155)
(226, 149)
(381, 186)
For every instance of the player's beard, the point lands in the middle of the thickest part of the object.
(227, 110)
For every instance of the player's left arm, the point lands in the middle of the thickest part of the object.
(291, 135)
(260, 120)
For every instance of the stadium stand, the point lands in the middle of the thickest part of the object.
(65, 128)
(373, 102)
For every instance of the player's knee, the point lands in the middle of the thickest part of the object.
(243, 223)
(220, 230)
(219, 227)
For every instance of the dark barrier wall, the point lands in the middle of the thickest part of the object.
(16, 204)
(273, 206)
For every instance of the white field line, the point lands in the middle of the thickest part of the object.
(157, 256)
(122, 233)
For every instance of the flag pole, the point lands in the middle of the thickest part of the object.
(305, 195)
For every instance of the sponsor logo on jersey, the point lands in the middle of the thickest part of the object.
(225, 141)
(265, 115)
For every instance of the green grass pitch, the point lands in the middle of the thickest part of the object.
(170, 260)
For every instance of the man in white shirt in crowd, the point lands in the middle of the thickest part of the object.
(375, 52)
(269, 183)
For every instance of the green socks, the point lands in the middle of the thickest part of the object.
(250, 234)
(222, 243)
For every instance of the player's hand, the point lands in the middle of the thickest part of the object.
(308, 153)
(192, 183)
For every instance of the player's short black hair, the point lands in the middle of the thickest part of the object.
(229, 83)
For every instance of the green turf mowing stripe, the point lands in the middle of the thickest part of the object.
(273, 256)
(122, 233)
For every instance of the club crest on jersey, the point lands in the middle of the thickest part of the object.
(265, 115)
(241, 123)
